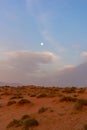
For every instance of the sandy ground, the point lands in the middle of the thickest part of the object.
(59, 115)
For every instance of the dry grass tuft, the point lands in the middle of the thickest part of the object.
(14, 123)
(68, 99)
(16, 96)
(30, 123)
(42, 109)
(42, 95)
(25, 122)
(69, 90)
(11, 103)
(24, 101)
(80, 103)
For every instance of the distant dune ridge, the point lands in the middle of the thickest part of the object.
(10, 84)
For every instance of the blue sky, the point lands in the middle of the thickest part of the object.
(60, 24)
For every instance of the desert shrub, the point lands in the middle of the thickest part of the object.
(30, 123)
(69, 90)
(24, 117)
(7, 93)
(83, 101)
(80, 103)
(42, 95)
(42, 109)
(33, 95)
(14, 123)
(81, 90)
(85, 127)
(24, 101)
(75, 95)
(68, 99)
(11, 103)
(17, 96)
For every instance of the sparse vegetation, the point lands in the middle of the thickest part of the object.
(69, 90)
(11, 103)
(14, 123)
(24, 117)
(17, 96)
(24, 101)
(25, 122)
(42, 109)
(66, 102)
(33, 95)
(68, 99)
(80, 103)
(42, 95)
(30, 123)
(81, 90)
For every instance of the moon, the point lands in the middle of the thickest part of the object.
(41, 43)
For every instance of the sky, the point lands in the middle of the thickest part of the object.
(61, 25)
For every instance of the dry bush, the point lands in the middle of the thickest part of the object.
(75, 95)
(42, 95)
(33, 95)
(80, 103)
(68, 99)
(42, 109)
(24, 101)
(82, 90)
(30, 123)
(69, 90)
(16, 96)
(24, 117)
(25, 122)
(14, 123)
(11, 103)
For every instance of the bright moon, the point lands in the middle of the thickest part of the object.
(41, 43)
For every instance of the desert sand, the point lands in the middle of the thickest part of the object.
(43, 108)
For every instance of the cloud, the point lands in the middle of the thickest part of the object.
(66, 68)
(74, 76)
(38, 68)
(24, 66)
